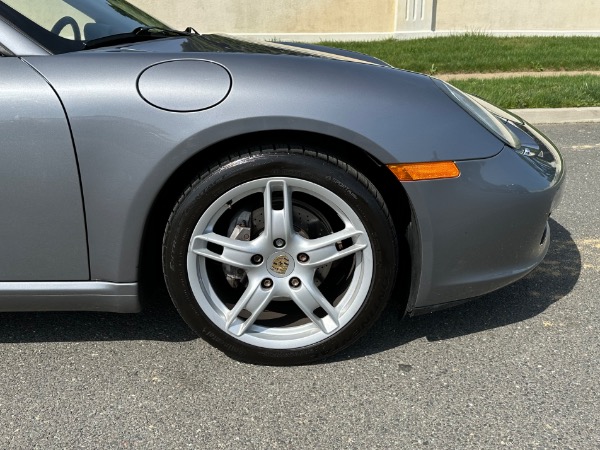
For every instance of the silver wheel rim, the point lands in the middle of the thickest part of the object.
(291, 277)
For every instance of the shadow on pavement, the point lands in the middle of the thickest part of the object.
(159, 321)
(528, 297)
(551, 281)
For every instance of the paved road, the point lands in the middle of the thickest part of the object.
(519, 368)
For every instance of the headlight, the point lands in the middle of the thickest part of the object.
(479, 113)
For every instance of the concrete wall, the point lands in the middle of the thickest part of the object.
(311, 20)
(276, 16)
(559, 15)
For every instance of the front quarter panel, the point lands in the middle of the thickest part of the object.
(128, 149)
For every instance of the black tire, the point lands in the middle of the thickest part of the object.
(328, 196)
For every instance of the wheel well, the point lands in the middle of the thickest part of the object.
(150, 270)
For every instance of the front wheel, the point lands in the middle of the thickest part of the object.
(280, 256)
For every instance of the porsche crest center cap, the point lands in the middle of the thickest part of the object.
(280, 264)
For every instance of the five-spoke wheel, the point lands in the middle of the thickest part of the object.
(280, 258)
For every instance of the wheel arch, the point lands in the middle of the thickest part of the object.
(394, 195)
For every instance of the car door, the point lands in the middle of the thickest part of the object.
(42, 220)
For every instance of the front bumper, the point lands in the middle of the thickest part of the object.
(487, 228)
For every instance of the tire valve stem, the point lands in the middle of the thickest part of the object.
(267, 283)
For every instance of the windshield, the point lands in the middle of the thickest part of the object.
(63, 26)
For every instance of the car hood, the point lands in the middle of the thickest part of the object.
(218, 43)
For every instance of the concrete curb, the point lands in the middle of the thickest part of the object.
(559, 115)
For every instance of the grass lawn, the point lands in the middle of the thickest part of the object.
(532, 92)
(470, 53)
(478, 53)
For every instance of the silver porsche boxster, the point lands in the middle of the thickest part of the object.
(285, 192)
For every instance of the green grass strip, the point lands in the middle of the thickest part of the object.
(533, 92)
(471, 53)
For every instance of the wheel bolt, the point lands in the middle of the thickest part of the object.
(267, 283)
(303, 257)
(257, 259)
(279, 243)
(295, 282)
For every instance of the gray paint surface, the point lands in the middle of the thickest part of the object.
(42, 224)
(122, 175)
(492, 227)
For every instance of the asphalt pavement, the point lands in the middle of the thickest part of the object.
(518, 368)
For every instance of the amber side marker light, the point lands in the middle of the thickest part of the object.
(424, 171)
